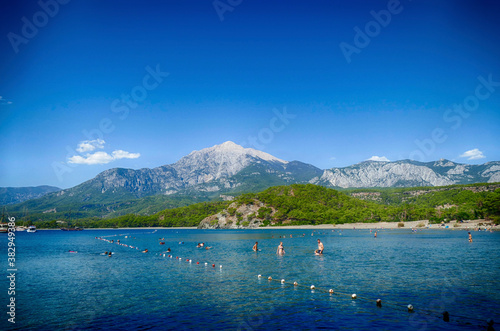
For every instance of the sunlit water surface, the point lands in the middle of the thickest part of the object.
(434, 270)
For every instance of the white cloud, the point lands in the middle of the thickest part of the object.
(99, 157)
(102, 157)
(119, 154)
(379, 159)
(96, 158)
(473, 154)
(90, 145)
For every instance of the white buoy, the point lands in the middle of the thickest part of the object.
(221, 266)
(206, 263)
(330, 291)
(190, 261)
(282, 281)
(312, 287)
(295, 283)
(163, 255)
(354, 296)
(410, 308)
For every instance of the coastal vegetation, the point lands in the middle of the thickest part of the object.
(311, 204)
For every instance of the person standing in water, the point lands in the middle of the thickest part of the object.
(281, 249)
(255, 247)
(320, 248)
(470, 237)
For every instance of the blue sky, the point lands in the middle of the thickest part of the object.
(90, 85)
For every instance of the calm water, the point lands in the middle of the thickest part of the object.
(435, 270)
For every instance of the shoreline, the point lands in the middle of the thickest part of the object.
(135, 228)
(423, 224)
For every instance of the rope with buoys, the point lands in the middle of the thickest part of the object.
(445, 316)
(116, 242)
(161, 254)
(189, 260)
(128, 234)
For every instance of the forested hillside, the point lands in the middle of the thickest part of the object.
(312, 204)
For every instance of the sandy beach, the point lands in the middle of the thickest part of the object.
(453, 225)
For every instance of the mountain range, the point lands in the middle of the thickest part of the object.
(229, 169)
(12, 195)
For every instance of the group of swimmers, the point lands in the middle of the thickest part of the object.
(281, 248)
(200, 245)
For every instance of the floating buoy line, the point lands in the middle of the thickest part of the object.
(445, 316)
(180, 259)
(128, 234)
(163, 254)
(116, 242)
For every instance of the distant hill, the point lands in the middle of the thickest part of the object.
(230, 169)
(13, 195)
(311, 204)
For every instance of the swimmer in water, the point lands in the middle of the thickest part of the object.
(470, 237)
(168, 250)
(145, 251)
(281, 249)
(255, 247)
(320, 249)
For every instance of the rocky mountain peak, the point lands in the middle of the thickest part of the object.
(219, 161)
(230, 149)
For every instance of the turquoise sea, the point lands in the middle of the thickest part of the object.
(433, 270)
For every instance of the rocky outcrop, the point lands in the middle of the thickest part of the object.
(235, 217)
